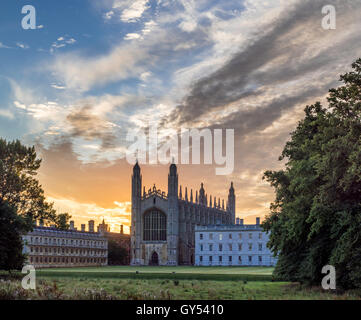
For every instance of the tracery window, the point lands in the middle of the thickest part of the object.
(155, 226)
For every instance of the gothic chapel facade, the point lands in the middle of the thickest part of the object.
(162, 225)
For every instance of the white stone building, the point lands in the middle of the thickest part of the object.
(232, 245)
(48, 247)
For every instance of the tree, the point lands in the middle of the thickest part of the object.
(62, 221)
(18, 186)
(117, 254)
(315, 218)
(12, 226)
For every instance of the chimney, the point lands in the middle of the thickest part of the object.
(91, 225)
(121, 229)
(241, 222)
(257, 221)
(83, 228)
(237, 220)
(72, 225)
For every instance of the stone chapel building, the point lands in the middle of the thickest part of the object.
(163, 224)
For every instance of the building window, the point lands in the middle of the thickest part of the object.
(230, 258)
(201, 247)
(230, 246)
(200, 258)
(260, 246)
(210, 258)
(240, 259)
(260, 258)
(230, 236)
(220, 258)
(211, 236)
(220, 247)
(250, 246)
(211, 247)
(201, 236)
(155, 226)
(240, 247)
(220, 236)
(250, 259)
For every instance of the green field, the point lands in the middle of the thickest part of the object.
(184, 273)
(180, 269)
(165, 283)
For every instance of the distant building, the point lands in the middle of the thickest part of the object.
(232, 245)
(122, 239)
(48, 247)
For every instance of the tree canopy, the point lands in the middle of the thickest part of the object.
(18, 185)
(12, 226)
(315, 219)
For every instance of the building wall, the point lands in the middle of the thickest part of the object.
(49, 248)
(237, 245)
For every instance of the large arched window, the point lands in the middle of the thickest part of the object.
(155, 226)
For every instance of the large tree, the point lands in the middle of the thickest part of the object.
(117, 253)
(12, 226)
(18, 185)
(315, 219)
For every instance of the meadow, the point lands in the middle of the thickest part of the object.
(163, 283)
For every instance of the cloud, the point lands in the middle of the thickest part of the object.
(6, 114)
(84, 123)
(132, 36)
(291, 50)
(3, 46)
(82, 73)
(134, 11)
(57, 86)
(61, 43)
(22, 45)
(126, 10)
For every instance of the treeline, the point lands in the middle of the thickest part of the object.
(315, 219)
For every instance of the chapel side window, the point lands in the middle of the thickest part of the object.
(155, 226)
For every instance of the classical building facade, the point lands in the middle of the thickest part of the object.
(163, 224)
(232, 245)
(48, 247)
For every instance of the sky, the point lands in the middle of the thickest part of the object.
(92, 70)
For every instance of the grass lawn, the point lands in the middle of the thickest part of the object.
(180, 272)
(195, 283)
(84, 288)
(179, 269)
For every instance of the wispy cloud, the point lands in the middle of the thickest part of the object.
(3, 46)
(22, 45)
(61, 42)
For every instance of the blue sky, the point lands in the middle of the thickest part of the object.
(94, 69)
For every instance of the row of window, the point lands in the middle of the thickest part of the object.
(67, 250)
(66, 260)
(230, 247)
(230, 259)
(220, 236)
(41, 240)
